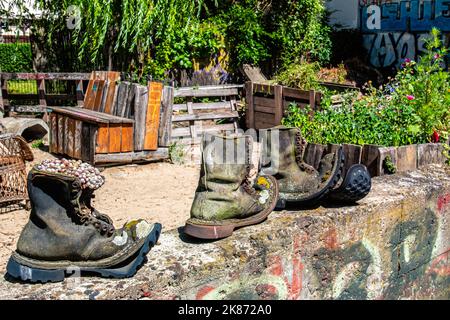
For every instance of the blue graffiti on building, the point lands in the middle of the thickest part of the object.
(400, 28)
(412, 16)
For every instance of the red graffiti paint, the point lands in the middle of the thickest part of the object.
(203, 292)
(443, 202)
(294, 282)
(276, 266)
(440, 265)
(146, 294)
(331, 239)
(266, 291)
(297, 272)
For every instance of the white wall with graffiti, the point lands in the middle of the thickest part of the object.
(394, 30)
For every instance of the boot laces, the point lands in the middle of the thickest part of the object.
(248, 183)
(300, 145)
(90, 216)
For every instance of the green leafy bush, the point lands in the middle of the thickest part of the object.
(158, 37)
(412, 108)
(300, 75)
(16, 57)
(308, 75)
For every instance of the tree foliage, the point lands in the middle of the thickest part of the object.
(157, 36)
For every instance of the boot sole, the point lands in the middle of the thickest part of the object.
(332, 182)
(211, 231)
(126, 269)
(356, 185)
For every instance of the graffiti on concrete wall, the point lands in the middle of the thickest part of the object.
(409, 261)
(395, 30)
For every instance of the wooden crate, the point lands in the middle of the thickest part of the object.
(79, 137)
(266, 104)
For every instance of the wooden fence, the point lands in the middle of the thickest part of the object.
(266, 104)
(38, 91)
(192, 118)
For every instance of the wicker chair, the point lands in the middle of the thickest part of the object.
(14, 151)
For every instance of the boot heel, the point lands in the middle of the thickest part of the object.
(24, 273)
(356, 185)
(281, 204)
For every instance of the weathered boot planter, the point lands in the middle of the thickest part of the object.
(355, 180)
(230, 193)
(65, 234)
(299, 182)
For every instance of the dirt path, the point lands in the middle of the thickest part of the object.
(159, 192)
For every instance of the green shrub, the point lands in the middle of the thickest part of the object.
(300, 75)
(412, 108)
(158, 37)
(16, 57)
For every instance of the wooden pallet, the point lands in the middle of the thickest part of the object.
(201, 117)
(266, 104)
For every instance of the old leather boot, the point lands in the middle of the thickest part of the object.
(354, 185)
(65, 235)
(230, 193)
(299, 182)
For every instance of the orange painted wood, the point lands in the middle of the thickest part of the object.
(115, 136)
(99, 95)
(89, 98)
(88, 94)
(127, 137)
(152, 118)
(102, 139)
(113, 77)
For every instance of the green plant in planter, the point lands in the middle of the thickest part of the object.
(424, 88)
(388, 165)
(412, 108)
(300, 75)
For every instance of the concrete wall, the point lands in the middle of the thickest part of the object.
(395, 244)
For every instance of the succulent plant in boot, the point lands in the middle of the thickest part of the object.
(64, 233)
(230, 193)
(299, 182)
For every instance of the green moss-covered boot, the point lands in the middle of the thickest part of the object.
(65, 234)
(230, 193)
(282, 156)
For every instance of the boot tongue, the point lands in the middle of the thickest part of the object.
(254, 161)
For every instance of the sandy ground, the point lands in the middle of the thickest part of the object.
(158, 192)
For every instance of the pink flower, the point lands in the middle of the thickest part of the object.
(437, 56)
(407, 60)
(410, 97)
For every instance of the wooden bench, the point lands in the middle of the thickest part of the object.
(117, 123)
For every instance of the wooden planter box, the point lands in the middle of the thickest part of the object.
(403, 158)
(266, 104)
